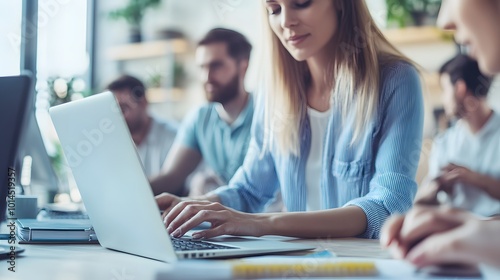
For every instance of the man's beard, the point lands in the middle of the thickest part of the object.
(225, 93)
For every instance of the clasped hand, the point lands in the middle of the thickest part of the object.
(434, 235)
(450, 175)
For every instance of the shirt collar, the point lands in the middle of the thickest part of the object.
(243, 117)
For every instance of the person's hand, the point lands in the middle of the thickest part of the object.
(166, 202)
(453, 174)
(189, 214)
(427, 194)
(441, 235)
(472, 242)
(445, 182)
(401, 233)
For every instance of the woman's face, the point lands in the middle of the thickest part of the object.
(476, 23)
(304, 27)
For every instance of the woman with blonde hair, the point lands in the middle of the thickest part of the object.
(338, 131)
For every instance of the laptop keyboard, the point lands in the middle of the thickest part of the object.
(64, 215)
(73, 216)
(195, 245)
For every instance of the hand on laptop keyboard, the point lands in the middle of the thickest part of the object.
(186, 215)
(166, 202)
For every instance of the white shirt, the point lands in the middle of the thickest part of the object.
(154, 148)
(478, 152)
(319, 122)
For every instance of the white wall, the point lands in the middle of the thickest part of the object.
(10, 38)
(194, 18)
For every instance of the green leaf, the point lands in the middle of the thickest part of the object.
(134, 11)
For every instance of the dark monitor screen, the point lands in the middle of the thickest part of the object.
(15, 101)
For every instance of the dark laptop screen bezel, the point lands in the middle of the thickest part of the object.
(15, 102)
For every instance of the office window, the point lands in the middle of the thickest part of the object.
(62, 68)
(62, 56)
(62, 39)
(10, 37)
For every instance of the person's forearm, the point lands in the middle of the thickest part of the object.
(167, 183)
(489, 185)
(341, 222)
(485, 249)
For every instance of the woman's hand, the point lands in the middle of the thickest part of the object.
(441, 235)
(188, 214)
(166, 202)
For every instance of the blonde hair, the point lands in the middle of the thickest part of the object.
(356, 63)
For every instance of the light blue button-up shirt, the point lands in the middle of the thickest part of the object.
(223, 146)
(376, 173)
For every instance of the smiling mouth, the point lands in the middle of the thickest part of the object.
(295, 40)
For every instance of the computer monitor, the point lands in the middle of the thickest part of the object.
(16, 99)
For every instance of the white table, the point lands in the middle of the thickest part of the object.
(63, 262)
(75, 262)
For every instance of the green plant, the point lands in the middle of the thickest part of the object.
(404, 11)
(62, 90)
(179, 74)
(155, 80)
(134, 11)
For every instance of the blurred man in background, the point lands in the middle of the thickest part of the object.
(219, 132)
(464, 160)
(153, 137)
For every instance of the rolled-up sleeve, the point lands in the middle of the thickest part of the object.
(397, 146)
(255, 183)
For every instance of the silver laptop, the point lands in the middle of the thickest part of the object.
(117, 194)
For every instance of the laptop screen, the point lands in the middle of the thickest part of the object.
(15, 99)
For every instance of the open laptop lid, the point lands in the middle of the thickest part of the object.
(108, 172)
(116, 192)
(15, 99)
